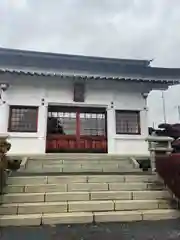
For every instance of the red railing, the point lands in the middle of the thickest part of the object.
(70, 143)
(168, 167)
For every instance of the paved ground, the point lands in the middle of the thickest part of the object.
(116, 231)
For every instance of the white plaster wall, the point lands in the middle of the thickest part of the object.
(110, 94)
(131, 146)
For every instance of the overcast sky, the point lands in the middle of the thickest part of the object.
(113, 28)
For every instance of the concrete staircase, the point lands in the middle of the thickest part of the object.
(84, 198)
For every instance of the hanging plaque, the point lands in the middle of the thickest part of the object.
(79, 92)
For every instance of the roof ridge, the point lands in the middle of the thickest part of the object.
(24, 52)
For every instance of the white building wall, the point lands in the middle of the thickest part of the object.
(110, 94)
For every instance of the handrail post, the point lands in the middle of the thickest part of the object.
(158, 146)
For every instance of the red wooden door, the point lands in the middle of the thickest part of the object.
(76, 130)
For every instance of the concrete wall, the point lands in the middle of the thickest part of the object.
(110, 94)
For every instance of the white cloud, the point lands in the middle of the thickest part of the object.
(124, 28)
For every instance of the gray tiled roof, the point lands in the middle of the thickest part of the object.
(50, 64)
(86, 76)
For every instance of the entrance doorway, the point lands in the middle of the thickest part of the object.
(76, 129)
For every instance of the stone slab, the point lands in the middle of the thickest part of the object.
(14, 189)
(105, 179)
(21, 220)
(155, 186)
(90, 206)
(127, 186)
(66, 179)
(56, 165)
(88, 187)
(46, 188)
(144, 178)
(51, 169)
(110, 195)
(85, 161)
(91, 169)
(45, 207)
(114, 169)
(141, 195)
(91, 166)
(67, 218)
(71, 168)
(121, 216)
(67, 196)
(8, 209)
(135, 205)
(23, 197)
(27, 180)
(34, 167)
(160, 214)
(167, 204)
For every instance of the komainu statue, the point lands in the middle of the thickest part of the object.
(5, 162)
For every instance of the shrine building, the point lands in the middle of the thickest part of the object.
(52, 103)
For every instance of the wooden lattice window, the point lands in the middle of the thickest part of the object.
(128, 122)
(92, 124)
(23, 119)
(63, 122)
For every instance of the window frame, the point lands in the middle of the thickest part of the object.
(11, 107)
(138, 122)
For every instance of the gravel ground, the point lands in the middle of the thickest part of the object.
(110, 231)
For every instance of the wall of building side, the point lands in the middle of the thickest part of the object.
(110, 94)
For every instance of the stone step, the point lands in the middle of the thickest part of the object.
(21, 220)
(87, 217)
(84, 196)
(131, 216)
(117, 205)
(82, 179)
(81, 166)
(64, 187)
(76, 156)
(74, 169)
(85, 206)
(78, 162)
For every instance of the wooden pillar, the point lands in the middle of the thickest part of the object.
(4, 115)
(111, 130)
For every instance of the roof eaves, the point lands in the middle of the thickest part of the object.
(88, 76)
